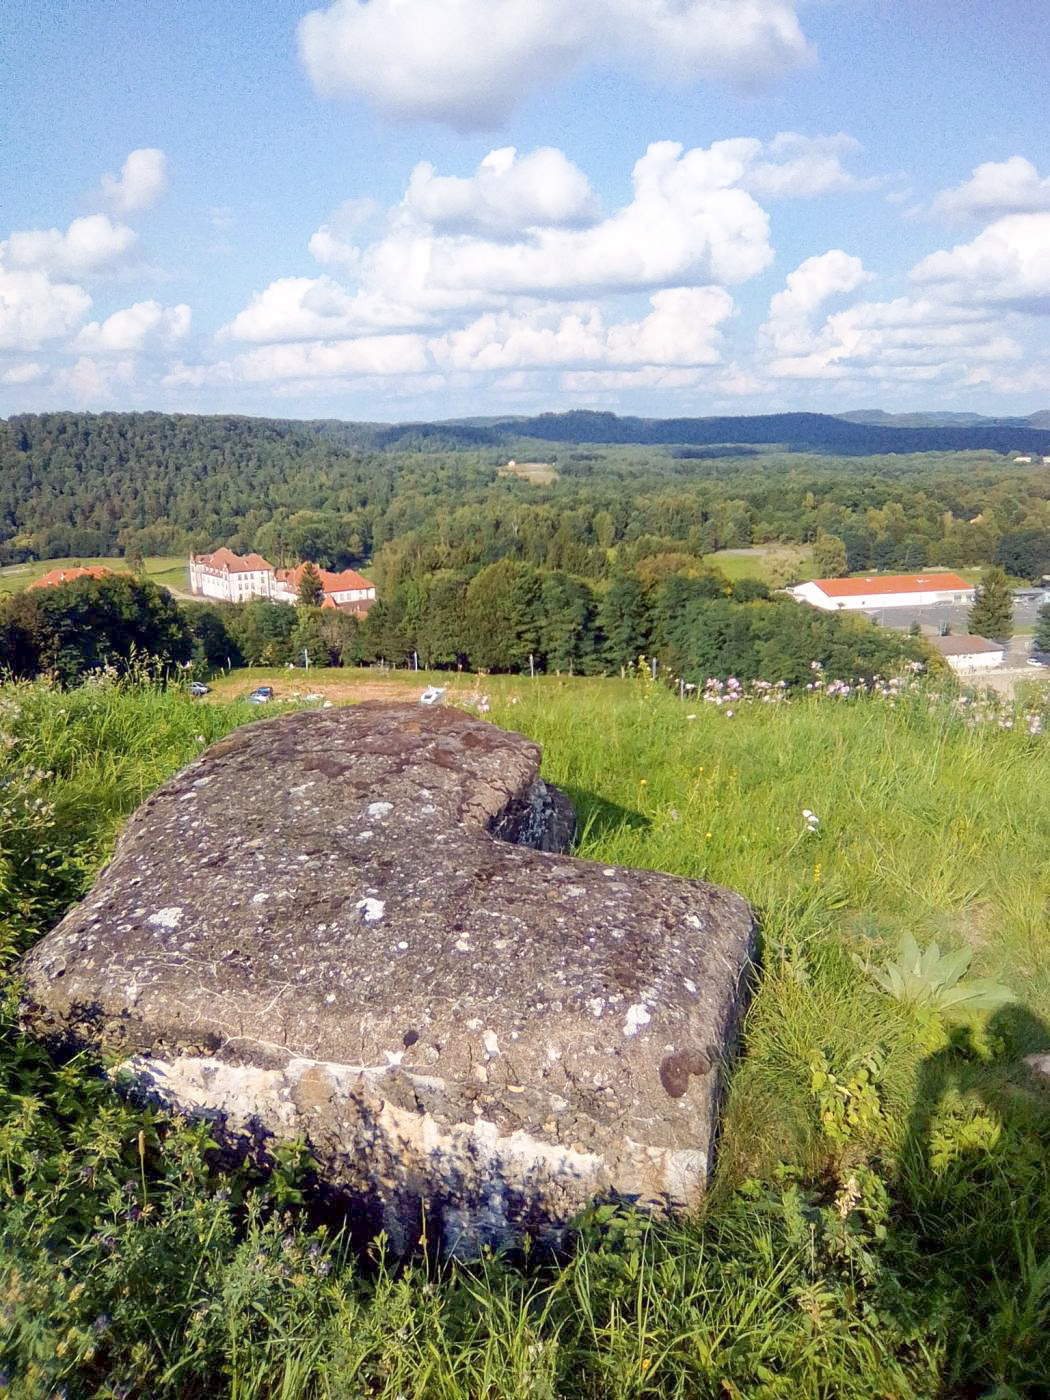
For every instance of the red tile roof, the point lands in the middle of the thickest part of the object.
(892, 583)
(57, 576)
(331, 583)
(224, 558)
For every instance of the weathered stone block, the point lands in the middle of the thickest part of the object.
(358, 926)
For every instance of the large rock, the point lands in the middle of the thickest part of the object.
(321, 929)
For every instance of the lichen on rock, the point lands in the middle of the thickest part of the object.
(361, 927)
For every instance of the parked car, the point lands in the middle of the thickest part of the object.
(261, 694)
(1034, 661)
(198, 688)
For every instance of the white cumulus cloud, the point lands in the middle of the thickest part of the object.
(994, 189)
(789, 328)
(143, 179)
(1008, 263)
(908, 338)
(793, 166)
(92, 244)
(134, 328)
(316, 308)
(34, 310)
(506, 194)
(686, 224)
(681, 329)
(29, 372)
(469, 63)
(319, 360)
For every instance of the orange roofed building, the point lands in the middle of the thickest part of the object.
(346, 590)
(884, 591)
(57, 576)
(235, 578)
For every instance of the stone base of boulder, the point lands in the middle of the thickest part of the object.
(358, 928)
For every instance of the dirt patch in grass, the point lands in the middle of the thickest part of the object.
(339, 690)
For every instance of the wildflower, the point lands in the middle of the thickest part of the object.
(812, 820)
(643, 782)
(816, 874)
(729, 714)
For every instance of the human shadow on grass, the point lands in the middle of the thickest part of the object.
(974, 1187)
(598, 819)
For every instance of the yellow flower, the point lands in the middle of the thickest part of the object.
(643, 782)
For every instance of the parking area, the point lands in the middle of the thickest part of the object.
(957, 616)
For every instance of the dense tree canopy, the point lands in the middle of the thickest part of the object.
(411, 502)
(89, 624)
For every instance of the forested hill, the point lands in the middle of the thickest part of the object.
(795, 432)
(347, 494)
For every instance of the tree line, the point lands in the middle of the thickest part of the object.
(419, 499)
(508, 617)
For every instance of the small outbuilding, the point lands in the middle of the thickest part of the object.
(965, 653)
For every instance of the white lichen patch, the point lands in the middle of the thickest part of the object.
(371, 909)
(689, 985)
(170, 917)
(260, 898)
(637, 1017)
(491, 1043)
(380, 809)
(596, 1006)
(693, 921)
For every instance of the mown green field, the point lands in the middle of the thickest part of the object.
(879, 1224)
(168, 570)
(774, 564)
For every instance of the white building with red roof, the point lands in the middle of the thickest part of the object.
(346, 590)
(236, 578)
(884, 591)
(231, 578)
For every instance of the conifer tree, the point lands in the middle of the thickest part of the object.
(1042, 628)
(992, 614)
(311, 589)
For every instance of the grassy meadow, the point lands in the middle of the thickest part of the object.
(772, 563)
(169, 570)
(879, 1223)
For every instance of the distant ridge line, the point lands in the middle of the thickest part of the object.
(847, 434)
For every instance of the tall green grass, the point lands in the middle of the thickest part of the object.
(879, 1224)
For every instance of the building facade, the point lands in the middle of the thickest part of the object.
(233, 578)
(884, 591)
(965, 653)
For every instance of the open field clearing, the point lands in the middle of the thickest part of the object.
(167, 570)
(775, 564)
(536, 473)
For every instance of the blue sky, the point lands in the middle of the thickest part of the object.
(391, 209)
